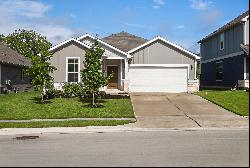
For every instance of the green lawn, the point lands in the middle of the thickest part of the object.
(235, 101)
(44, 124)
(24, 106)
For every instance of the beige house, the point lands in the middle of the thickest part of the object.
(138, 65)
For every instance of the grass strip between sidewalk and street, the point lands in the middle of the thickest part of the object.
(77, 123)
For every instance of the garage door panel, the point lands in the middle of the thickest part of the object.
(158, 79)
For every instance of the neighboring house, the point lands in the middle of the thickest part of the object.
(12, 65)
(225, 55)
(138, 65)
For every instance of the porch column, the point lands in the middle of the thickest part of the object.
(126, 68)
(126, 80)
(121, 70)
(195, 69)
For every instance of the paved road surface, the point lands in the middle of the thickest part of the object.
(150, 148)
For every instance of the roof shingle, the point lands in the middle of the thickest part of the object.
(124, 41)
(10, 56)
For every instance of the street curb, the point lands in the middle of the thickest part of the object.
(103, 129)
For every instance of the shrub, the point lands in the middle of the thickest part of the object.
(72, 90)
(53, 93)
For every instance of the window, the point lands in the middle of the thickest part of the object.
(222, 41)
(22, 74)
(73, 71)
(219, 69)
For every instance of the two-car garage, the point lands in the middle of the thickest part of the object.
(158, 78)
(161, 66)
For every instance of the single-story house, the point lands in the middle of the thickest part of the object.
(139, 65)
(12, 65)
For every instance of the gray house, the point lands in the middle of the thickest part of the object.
(12, 66)
(138, 65)
(225, 55)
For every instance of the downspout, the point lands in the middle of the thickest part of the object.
(244, 20)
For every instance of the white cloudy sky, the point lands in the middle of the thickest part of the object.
(181, 21)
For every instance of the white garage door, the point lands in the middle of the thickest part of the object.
(158, 78)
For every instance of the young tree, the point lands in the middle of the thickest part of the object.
(92, 76)
(36, 47)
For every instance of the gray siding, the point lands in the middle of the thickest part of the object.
(13, 73)
(161, 53)
(233, 38)
(108, 51)
(59, 60)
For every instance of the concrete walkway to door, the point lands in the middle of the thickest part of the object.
(181, 110)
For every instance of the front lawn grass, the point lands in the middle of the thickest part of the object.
(46, 124)
(236, 101)
(25, 106)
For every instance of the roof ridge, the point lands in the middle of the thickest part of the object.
(119, 34)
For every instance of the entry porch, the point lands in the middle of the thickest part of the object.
(118, 69)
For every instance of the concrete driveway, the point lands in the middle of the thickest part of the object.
(182, 110)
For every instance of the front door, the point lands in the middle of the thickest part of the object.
(113, 82)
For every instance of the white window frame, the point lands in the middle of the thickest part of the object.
(222, 40)
(79, 62)
(219, 62)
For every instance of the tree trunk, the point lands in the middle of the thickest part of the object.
(43, 93)
(42, 98)
(93, 99)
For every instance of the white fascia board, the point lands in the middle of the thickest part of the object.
(160, 65)
(68, 41)
(104, 43)
(166, 41)
(112, 58)
(245, 18)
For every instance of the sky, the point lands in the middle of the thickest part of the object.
(183, 22)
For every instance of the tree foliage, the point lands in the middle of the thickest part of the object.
(2, 37)
(35, 47)
(92, 76)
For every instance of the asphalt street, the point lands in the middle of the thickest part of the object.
(135, 148)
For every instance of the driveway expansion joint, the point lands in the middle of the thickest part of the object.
(184, 112)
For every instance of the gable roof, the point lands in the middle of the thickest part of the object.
(69, 41)
(10, 56)
(124, 41)
(167, 42)
(104, 43)
(232, 23)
